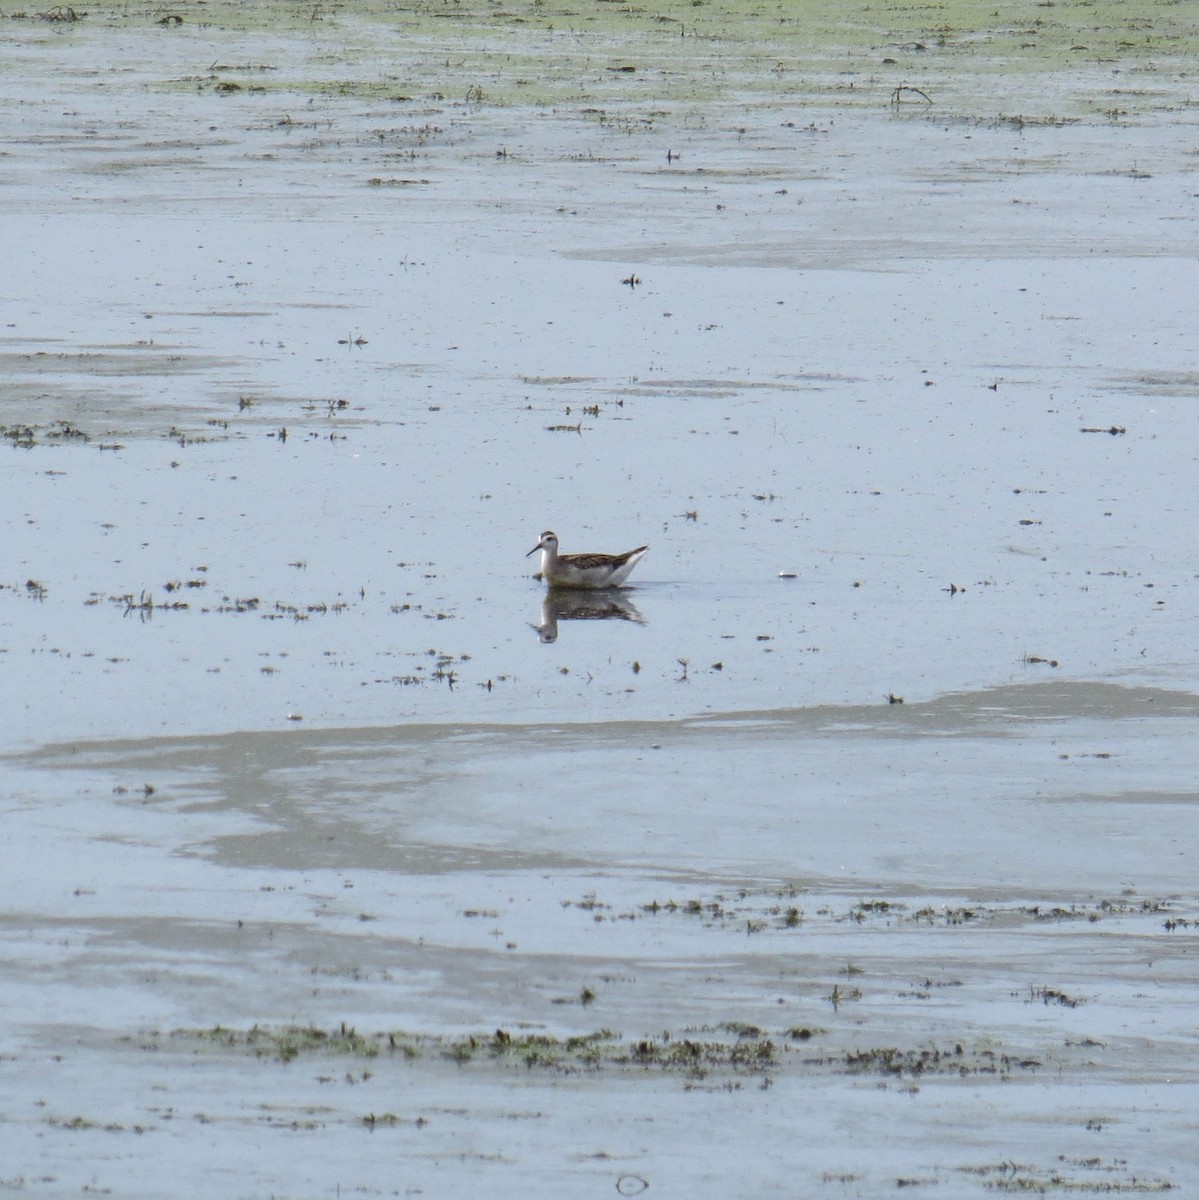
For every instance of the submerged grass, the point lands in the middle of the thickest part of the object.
(659, 53)
(775, 909)
(734, 1048)
(286, 1042)
(590, 1051)
(1090, 1176)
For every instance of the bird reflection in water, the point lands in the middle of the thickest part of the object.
(567, 604)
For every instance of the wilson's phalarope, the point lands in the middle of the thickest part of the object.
(583, 570)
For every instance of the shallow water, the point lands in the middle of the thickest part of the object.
(902, 399)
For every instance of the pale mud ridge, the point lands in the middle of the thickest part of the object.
(852, 852)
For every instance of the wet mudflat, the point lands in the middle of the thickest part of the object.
(851, 850)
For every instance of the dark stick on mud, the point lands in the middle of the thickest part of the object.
(897, 94)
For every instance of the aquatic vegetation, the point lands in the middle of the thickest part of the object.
(733, 1048)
